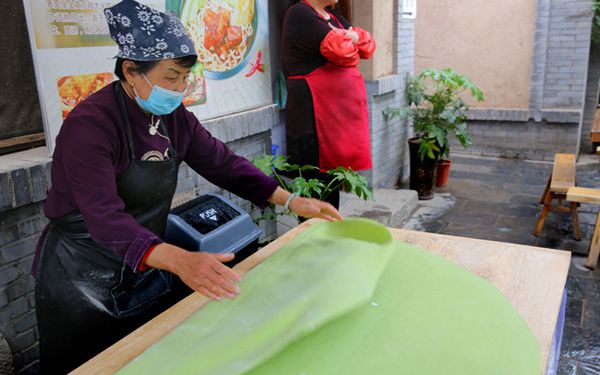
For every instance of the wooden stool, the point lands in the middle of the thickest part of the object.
(586, 195)
(559, 182)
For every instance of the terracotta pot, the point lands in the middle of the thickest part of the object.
(422, 172)
(443, 172)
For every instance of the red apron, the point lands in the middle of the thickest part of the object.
(341, 116)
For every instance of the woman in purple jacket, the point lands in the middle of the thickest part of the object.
(102, 268)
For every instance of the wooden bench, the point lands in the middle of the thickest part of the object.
(559, 182)
(595, 132)
(587, 195)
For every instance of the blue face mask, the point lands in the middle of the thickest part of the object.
(161, 101)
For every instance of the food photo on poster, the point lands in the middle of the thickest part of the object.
(224, 33)
(75, 89)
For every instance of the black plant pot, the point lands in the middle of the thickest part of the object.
(422, 172)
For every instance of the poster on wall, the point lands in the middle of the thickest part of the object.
(74, 55)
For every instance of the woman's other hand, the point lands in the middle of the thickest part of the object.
(305, 207)
(204, 272)
(366, 44)
(314, 208)
(349, 33)
(353, 35)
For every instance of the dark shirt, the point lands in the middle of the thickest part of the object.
(91, 153)
(302, 34)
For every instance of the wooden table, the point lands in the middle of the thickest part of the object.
(532, 278)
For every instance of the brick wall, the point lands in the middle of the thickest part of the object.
(24, 180)
(405, 66)
(23, 184)
(523, 140)
(19, 230)
(389, 137)
(567, 53)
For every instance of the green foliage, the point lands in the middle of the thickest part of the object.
(349, 180)
(596, 22)
(436, 109)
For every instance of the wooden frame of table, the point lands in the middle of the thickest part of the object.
(532, 279)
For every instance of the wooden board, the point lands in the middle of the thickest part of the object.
(589, 195)
(583, 195)
(19, 143)
(532, 278)
(595, 132)
(563, 173)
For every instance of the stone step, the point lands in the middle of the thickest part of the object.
(388, 207)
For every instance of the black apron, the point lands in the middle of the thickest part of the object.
(87, 298)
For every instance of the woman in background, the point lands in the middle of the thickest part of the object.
(327, 121)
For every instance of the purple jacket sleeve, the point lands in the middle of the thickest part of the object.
(88, 153)
(212, 159)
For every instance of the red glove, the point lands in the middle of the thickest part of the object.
(366, 44)
(338, 48)
(142, 264)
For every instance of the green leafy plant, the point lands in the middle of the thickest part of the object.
(349, 180)
(596, 22)
(437, 109)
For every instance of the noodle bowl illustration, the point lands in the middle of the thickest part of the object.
(223, 32)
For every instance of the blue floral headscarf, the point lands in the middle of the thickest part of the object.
(145, 34)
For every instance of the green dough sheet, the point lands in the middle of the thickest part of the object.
(345, 298)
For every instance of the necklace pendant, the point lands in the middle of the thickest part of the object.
(152, 130)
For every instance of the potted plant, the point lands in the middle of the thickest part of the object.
(436, 109)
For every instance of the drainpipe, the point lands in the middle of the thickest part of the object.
(583, 100)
